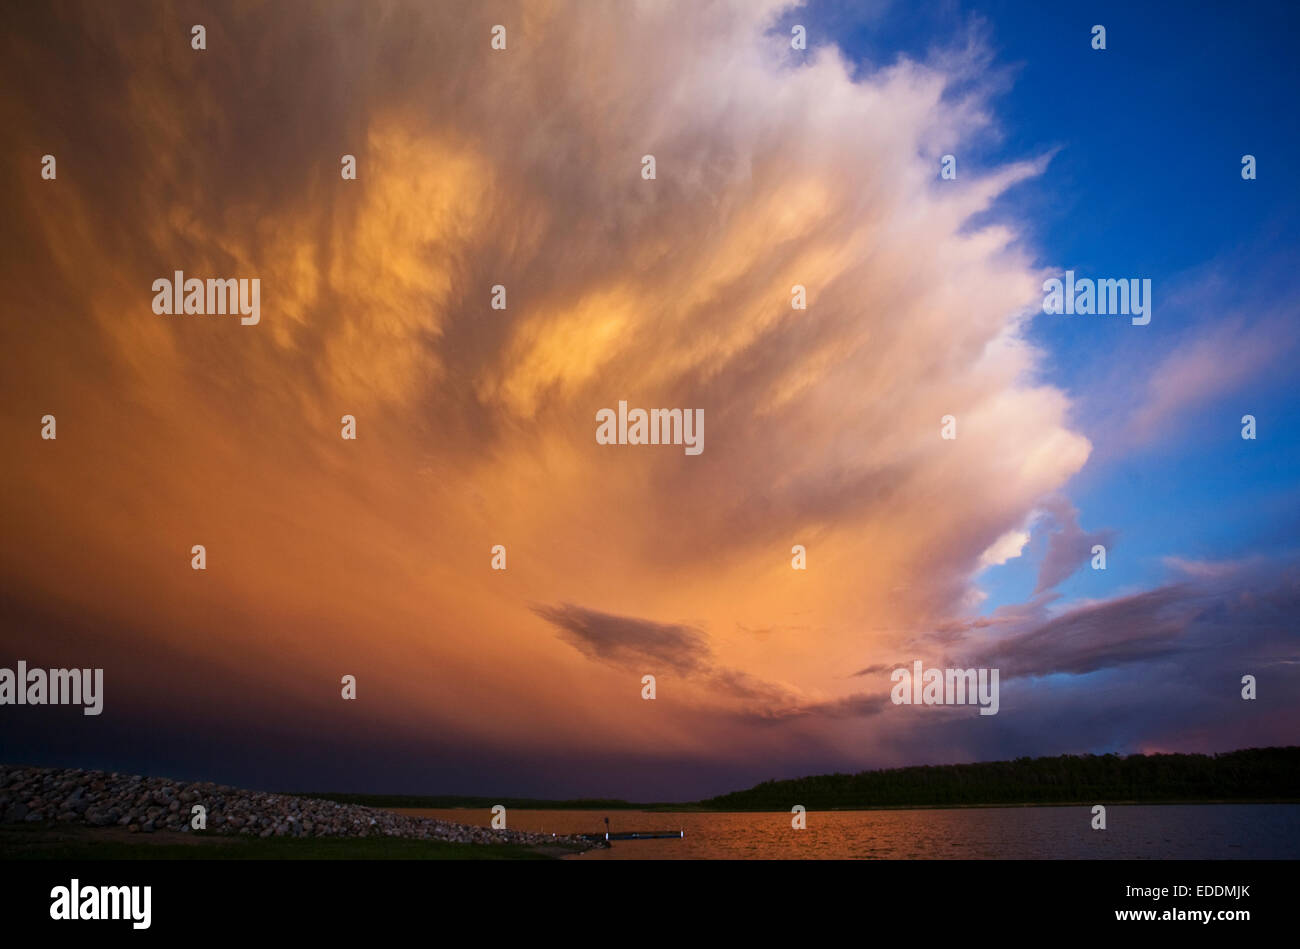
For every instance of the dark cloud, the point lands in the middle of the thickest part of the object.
(875, 669)
(629, 642)
(641, 645)
(1068, 545)
(1216, 617)
(1136, 628)
(857, 705)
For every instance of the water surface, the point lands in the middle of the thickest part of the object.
(1134, 831)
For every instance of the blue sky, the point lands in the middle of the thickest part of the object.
(1145, 180)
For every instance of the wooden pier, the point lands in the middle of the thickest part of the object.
(607, 837)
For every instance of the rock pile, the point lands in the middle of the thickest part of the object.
(103, 799)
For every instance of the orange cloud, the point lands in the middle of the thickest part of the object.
(476, 426)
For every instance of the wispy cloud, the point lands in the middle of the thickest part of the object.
(1068, 545)
(627, 641)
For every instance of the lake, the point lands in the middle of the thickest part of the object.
(1134, 831)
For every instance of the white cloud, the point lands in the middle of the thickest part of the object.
(1007, 547)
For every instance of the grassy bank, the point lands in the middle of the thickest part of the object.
(71, 842)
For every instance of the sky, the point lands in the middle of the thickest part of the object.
(476, 426)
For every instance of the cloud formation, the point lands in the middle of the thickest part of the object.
(476, 426)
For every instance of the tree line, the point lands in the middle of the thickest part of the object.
(1252, 774)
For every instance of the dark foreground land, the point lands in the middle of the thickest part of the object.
(73, 842)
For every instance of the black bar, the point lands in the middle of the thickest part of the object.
(509, 900)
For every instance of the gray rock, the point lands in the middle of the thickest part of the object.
(98, 798)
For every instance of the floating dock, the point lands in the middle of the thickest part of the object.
(634, 835)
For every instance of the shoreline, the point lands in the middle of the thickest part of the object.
(688, 809)
(112, 803)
